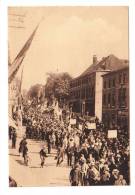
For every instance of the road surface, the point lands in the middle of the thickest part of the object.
(33, 175)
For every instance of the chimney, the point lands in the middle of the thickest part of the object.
(94, 59)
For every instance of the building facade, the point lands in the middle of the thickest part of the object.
(13, 95)
(86, 94)
(116, 99)
(86, 91)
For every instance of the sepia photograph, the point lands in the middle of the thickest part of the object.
(68, 96)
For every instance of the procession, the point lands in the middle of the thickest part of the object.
(92, 158)
(68, 114)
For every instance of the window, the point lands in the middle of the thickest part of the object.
(83, 93)
(109, 85)
(92, 92)
(113, 82)
(120, 78)
(113, 99)
(104, 99)
(79, 94)
(109, 99)
(124, 77)
(122, 97)
(104, 84)
(89, 92)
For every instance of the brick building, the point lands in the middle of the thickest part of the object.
(116, 98)
(86, 90)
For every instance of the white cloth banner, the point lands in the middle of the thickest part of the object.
(112, 133)
(91, 125)
(12, 122)
(80, 127)
(72, 121)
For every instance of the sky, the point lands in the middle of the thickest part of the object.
(67, 38)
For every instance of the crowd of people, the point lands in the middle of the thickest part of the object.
(93, 158)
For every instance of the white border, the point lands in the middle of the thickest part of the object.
(4, 101)
(66, 2)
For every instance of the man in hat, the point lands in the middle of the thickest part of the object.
(120, 181)
(42, 156)
(22, 143)
(105, 177)
(93, 175)
(70, 154)
(14, 137)
(114, 176)
(60, 155)
(25, 154)
(83, 171)
(75, 175)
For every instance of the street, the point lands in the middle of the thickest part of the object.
(33, 175)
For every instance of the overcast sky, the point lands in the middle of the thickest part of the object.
(67, 38)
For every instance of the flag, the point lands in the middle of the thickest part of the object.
(9, 60)
(20, 88)
(20, 57)
(11, 121)
(19, 94)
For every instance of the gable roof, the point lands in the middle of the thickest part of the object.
(110, 62)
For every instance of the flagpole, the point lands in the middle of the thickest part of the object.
(20, 98)
(20, 57)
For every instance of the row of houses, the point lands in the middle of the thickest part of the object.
(103, 91)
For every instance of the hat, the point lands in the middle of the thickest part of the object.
(106, 168)
(92, 163)
(83, 160)
(118, 155)
(115, 171)
(102, 160)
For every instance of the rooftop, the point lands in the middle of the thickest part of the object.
(110, 62)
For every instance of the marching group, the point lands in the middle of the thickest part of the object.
(92, 157)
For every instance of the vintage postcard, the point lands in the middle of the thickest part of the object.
(68, 105)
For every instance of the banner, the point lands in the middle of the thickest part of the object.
(112, 133)
(91, 125)
(12, 122)
(80, 127)
(14, 67)
(72, 121)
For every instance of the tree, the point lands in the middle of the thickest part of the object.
(57, 85)
(36, 91)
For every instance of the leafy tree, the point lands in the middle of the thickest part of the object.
(35, 91)
(57, 85)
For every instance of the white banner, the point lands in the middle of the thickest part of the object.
(72, 121)
(80, 127)
(112, 133)
(91, 125)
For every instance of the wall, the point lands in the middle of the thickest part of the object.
(98, 94)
